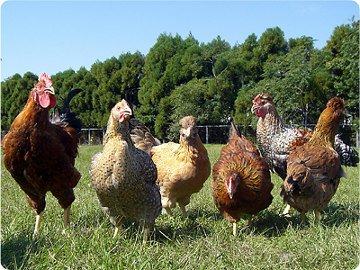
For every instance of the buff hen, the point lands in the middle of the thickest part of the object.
(241, 179)
(314, 169)
(182, 168)
(124, 177)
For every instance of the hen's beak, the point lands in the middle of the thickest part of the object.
(254, 108)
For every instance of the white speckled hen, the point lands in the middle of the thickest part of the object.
(124, 176)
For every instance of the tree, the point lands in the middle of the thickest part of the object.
(343, 64)
(15, 91)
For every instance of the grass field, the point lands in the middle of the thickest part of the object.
(202, 241)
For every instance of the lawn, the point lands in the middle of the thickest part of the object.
(202, 241)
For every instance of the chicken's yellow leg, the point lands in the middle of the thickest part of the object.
(234, 229)
(37, 225)
(116, 232)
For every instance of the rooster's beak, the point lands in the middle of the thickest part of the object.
(50, 90)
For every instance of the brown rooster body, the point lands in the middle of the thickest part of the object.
(314, 169)
(241, 179)
(182, 168)
(124, 177)
(40, 155)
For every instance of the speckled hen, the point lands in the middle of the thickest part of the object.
(124, 176)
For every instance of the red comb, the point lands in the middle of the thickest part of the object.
(47, 80)
(256, 99)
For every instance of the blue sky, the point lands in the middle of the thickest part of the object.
(53, 36)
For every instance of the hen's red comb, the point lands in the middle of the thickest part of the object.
(46, 78)
(256, 99)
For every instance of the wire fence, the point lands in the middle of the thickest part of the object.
(216, 134)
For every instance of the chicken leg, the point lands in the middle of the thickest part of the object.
(286, 211)
(37, 225)
(116, 232)
(66, 219)
(234, 229)
(168, 211)
(183, 210)
(317, 216)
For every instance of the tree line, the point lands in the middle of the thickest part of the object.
(213, 81)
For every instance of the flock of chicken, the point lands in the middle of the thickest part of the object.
(135, 176)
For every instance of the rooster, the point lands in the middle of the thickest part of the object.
(314, 169)
(124, 177)
(40, 155)
(182, 167)
(241, 179)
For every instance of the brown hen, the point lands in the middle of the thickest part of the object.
(40, 155)
(241, 179)
(182, 168)
(314, 169)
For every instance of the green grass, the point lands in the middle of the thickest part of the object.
(202, 241)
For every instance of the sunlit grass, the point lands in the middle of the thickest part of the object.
(202, 241)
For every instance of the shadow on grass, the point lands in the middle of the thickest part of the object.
(177, 226)
(271, 224)
(15, 251)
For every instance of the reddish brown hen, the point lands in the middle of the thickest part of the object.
(40, 155)
(241, 179)
(314, 169)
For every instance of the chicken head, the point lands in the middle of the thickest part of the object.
(44, 93)
(188, 128)
(262, 105)
(121, 111)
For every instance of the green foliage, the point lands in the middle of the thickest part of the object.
(212, 81)
(14, 94)
(343, 65)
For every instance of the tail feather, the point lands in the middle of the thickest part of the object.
(234, 132)
(64, 117)
(348, 155)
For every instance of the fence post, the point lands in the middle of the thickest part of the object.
(207, 134)
(89, 137)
